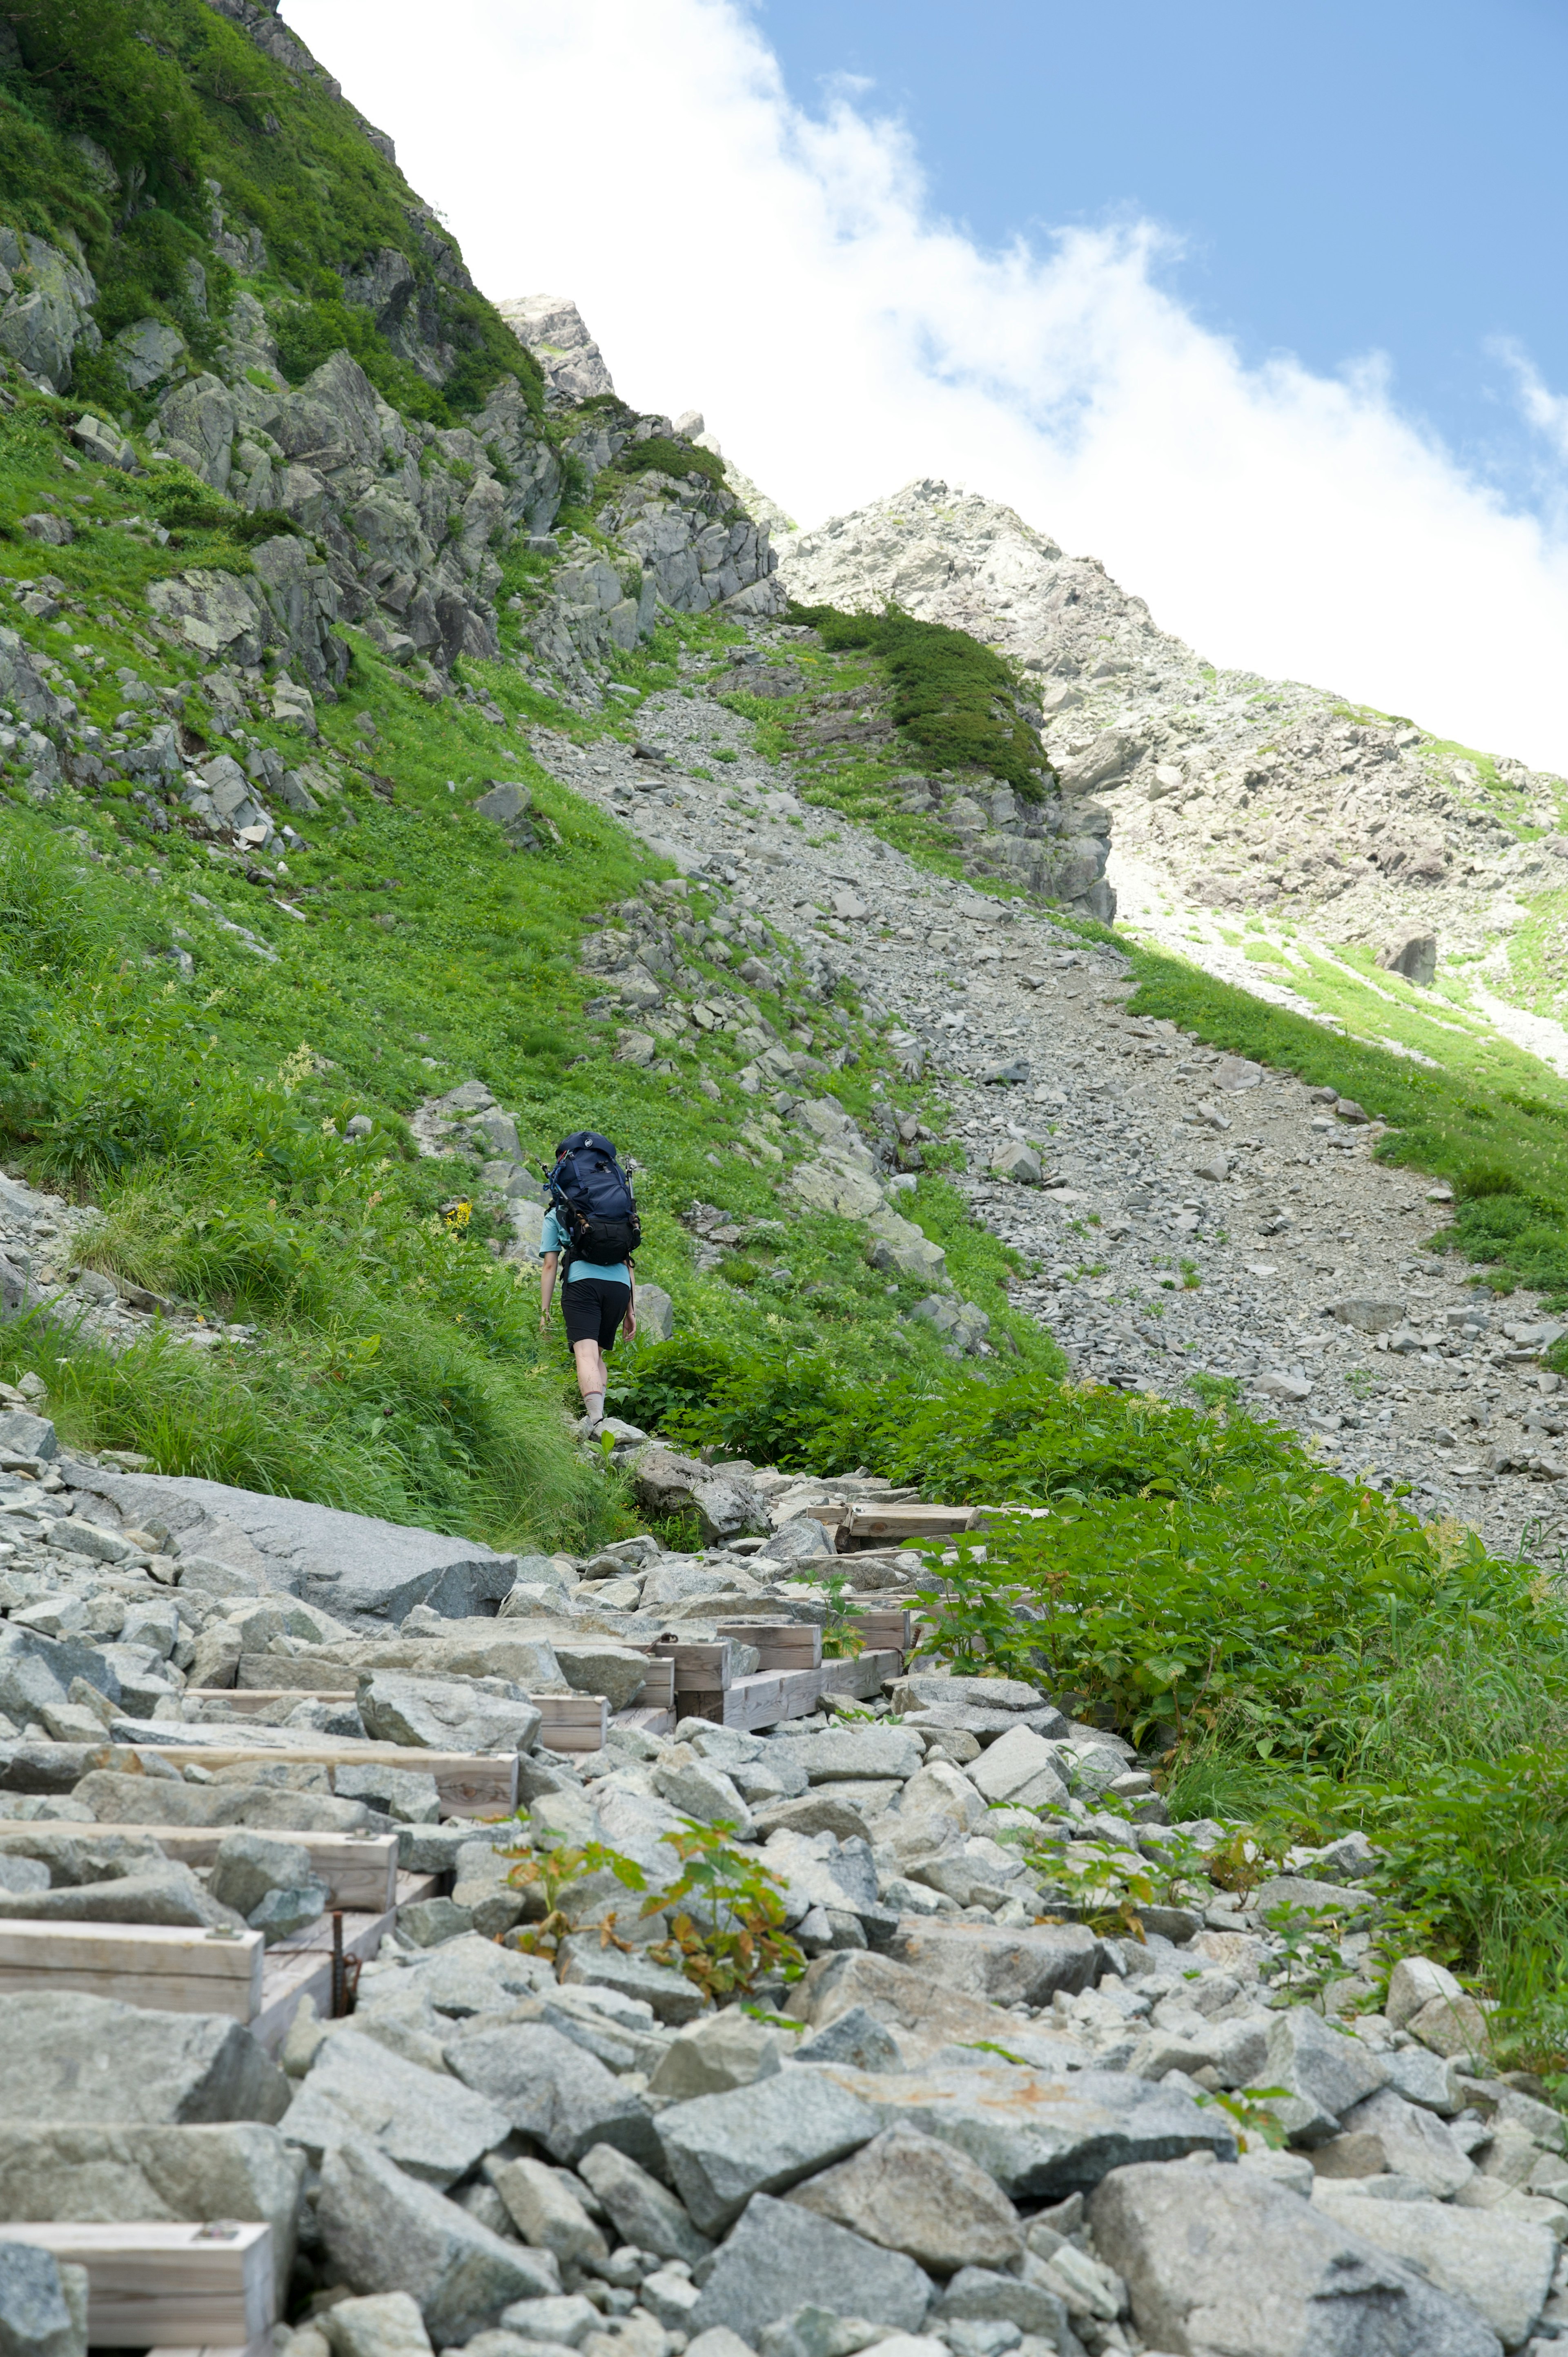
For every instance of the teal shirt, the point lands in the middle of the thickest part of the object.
(552, 1241)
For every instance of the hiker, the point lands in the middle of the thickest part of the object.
(591, 1225)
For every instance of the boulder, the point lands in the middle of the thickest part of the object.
(1023, 1769)
(643, 2212)
(1218, 2261)
(447, 1714)
(717, 2053)
(363, 1570)
(585, 1958)
(907, 2191)
(1035, 2132)
(841, 1753)
(550, 2090)
(547, 2213)
(383, 2231)
(64, 2057)
(1412, 954)
(43, 2305)
(383, 2324)
(271, 1883)
(1025, 1966)
(359, 2091)
(1502, 2266)
(1412, 2141)
(109, 2176)
(726, 1505)
(720, 2149)
(1323, 2072)
(780, 2252)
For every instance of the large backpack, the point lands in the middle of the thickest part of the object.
(591, 1197)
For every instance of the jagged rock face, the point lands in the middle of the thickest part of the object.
(551, 327)
(1243, 791)
(47, 293)
(408, 545)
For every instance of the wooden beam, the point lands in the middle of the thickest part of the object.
(781, 1644)
(700, 1666)
(862, 1676)
(886, 1627)
(169, 1969)
(358, 1870)
(651, 1722)
(872, 1522)
(573, 1722)
(181, 2284)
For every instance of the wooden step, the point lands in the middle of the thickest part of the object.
(182, 2286)
(781, 1644)
(573, 1722)
(861, 1676)
(251, 1699)
(358, 1870)
(886, 1627)
(167, 1969)
(872, 1522)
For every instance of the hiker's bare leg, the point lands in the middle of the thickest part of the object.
(591, 1374)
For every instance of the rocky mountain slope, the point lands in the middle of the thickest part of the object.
(1241, 795)
(407, 758)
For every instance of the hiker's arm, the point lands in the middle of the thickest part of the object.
(547, 1267)
(628, 1323)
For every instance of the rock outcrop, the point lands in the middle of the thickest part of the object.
(1245, 793)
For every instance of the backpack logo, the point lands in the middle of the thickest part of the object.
(591, 1197)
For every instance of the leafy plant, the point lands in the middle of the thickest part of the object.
(1249, 2107)
(733, 1934)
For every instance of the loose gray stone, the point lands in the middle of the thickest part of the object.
(1501, 2266)
(1218, 2261)
(35, 2317)
(60, 2054)
(856, 2037)
(1035, 2133)
(250, 1871)
(445, 1714)
(720, 2149)
(983, 2295)
(778, 2249)
(843, 1752)
(547, 2213)
(1025, 1966)
(908, 2192)
(384, 2324)
(673, 1997)
(385, 2231)
(1414, 2141)
(644, 2212)
(566, 2320)
(552, 2089)
(1323, 2072)
(357, 2091)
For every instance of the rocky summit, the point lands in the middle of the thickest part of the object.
(1230, 793)
(1007, 1798)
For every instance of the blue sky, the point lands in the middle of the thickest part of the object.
(1263, 309)
(1343, 180)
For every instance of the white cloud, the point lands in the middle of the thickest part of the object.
(784, 271)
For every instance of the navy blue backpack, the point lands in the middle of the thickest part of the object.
(591, 1197)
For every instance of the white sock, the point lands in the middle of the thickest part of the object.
(594, 1407)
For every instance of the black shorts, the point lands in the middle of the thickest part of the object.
(592, 1308)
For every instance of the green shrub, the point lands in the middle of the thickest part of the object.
(953, 698)
(659, 455)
